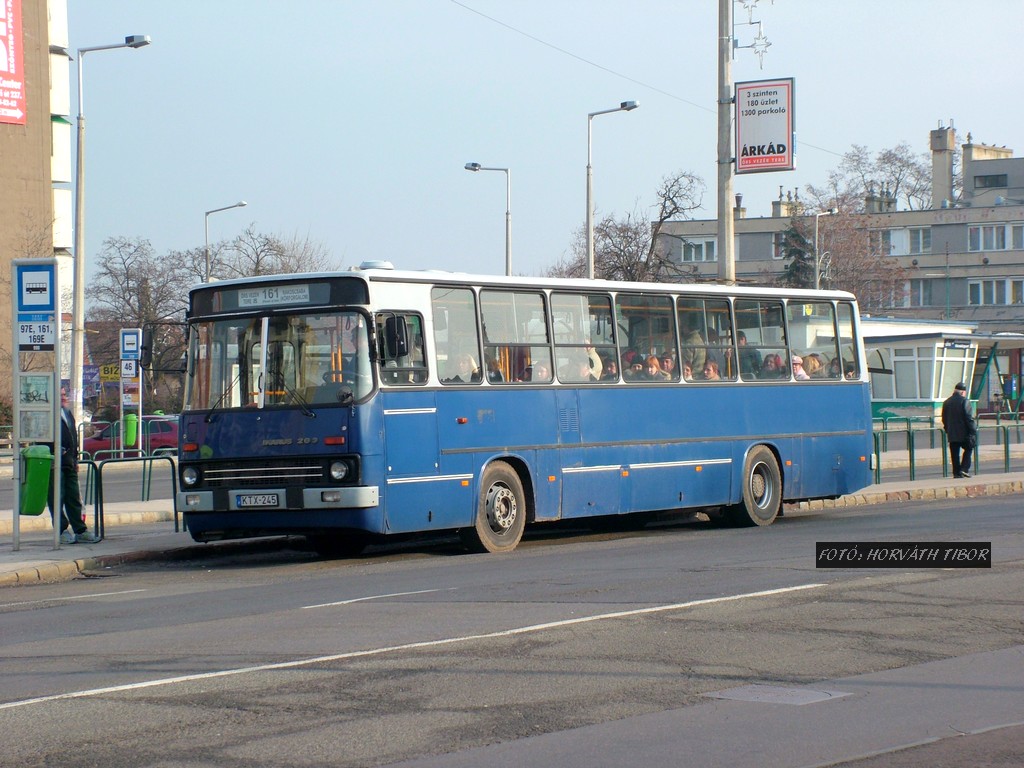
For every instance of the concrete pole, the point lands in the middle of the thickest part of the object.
(726, 223)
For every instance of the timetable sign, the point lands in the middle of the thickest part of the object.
(36, 335)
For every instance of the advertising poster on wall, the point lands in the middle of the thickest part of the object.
(764, 126)
(12, 77)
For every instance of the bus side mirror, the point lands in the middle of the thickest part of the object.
(396, 337)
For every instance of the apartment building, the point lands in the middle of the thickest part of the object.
(963, 258)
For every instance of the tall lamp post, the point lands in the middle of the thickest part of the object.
(817, 260)
(239, 204)
(508, 210)
(78, 293)
(625, 106)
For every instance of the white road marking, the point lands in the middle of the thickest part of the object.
(405, 647)
(371, 597)
(73, 597)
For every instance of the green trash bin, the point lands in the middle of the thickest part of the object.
(36, 466)
(131, 429)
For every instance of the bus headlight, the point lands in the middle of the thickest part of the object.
(339, 470)
(189, 476)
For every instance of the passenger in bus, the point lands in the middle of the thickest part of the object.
(798, 369)
(711, 371)
(772, 368)
(850, 371)
(631, 365)
(652, 370)
(494, 374)
(814, 366)
(668, 366)
(610, 372)
(750, 359)
(693, 347)
(687, 372)
(835, 368)
(466, 370)
(583, 365)
(538, 371)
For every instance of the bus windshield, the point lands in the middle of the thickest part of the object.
(279, 360)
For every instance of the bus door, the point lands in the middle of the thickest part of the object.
(417, 496)
(588, 486)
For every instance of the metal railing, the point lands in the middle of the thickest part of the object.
(147, 474)
(909, 434)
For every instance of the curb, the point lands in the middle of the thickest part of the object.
(70, 569)
(967, 491)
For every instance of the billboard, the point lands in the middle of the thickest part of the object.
(764, 126)
(12, 78)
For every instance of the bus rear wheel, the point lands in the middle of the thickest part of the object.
(762, 490)
(500, 512)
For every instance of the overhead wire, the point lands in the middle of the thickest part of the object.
(609, 70)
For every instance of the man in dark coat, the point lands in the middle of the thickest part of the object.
(961, 430)
(70, 491)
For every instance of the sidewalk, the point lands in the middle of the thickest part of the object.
(145, 530)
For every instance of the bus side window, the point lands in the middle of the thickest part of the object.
(456, 339)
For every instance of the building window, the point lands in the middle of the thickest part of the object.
(1000, 291)
(995, 237)
(992, 181)
(920, 293)
(881, 241)
(921, 240)
(703, 250)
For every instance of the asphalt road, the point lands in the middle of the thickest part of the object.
(680, 644)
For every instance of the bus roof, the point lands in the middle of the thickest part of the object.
(378, 273)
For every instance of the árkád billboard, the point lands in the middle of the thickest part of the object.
(764, 126)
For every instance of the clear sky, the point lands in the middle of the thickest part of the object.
(350, 121)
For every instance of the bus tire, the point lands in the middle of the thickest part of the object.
(500, 512)
(762, 490)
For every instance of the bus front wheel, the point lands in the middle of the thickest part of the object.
(762, 489)
(500, 512)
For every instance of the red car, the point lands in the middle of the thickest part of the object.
(159, 436)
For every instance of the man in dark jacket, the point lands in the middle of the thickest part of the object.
(70, 491)
(958, 421)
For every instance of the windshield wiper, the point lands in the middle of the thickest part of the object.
(277, 379)
(228, 388)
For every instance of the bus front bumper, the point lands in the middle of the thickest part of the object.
(358, 497)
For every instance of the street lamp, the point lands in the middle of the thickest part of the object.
(239, 204)
(626, 106)
(508, 210)
(78, 293)
(817, 260)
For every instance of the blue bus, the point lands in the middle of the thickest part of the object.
(353, 406)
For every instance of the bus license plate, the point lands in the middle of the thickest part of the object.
(256, 500)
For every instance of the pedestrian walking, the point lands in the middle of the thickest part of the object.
(961, 430)
(70, 491)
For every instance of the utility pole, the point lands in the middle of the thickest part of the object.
(726, 222)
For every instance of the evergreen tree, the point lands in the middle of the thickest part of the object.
(798, 251)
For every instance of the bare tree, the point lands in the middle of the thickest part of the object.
(253, 253)
(135, 288)
(855, 261)
(630, 248)
(901, 172)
